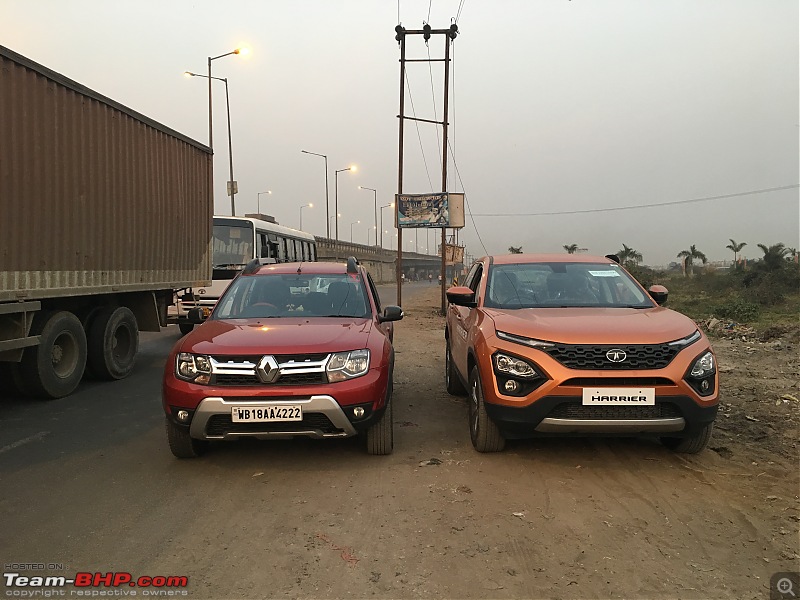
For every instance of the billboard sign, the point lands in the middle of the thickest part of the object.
(430, 210)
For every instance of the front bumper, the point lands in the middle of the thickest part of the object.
(676, 416)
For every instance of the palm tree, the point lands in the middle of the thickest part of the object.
(515, 250)
(688, 256)
(736, 248)
(774, 256)
(792, 254)
(571, 248)
(629, 255)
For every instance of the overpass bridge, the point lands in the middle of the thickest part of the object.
(380, 262)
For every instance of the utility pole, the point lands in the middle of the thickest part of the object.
(449, 35)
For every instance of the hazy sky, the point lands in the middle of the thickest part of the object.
(556, 106)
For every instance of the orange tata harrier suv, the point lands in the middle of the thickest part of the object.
(572, 344)
(291, 349)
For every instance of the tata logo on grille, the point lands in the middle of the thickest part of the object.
(267, 369)
(616, 355)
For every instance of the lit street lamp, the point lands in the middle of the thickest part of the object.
(382, 232)
(375, 199)
(351, 230)
(327, 203)
(258, 200)
(301, 213)
(231, 184)
(336, 196)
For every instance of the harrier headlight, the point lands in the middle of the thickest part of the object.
(703, 366)
(347, 365)
(511, 366)
(193, 367)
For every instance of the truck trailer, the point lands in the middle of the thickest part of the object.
(104, 214)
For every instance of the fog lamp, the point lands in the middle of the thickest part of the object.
(511, 386)
(358, 412)
(183, 415)
(704, 385)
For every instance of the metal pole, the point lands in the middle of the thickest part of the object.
(399, 266)
(336, 207)
(327, 202)
(444, 162)
(376, 218)
(210, 128)
(230, 150)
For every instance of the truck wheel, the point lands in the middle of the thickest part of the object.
(485, 435)
(452, 382)
(691, 444)
(54, 368)
(113, 343)
(380, 436)
(182, 444)
(185, 327)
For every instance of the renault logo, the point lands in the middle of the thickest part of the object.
(616, 355)
(267, 369)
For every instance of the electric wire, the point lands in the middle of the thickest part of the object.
(617, 208)
(466, 201)
(460, 6)
(419, 136)
(433, 96)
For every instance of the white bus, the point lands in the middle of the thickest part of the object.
(236, 241)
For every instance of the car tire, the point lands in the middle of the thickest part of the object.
(691, 444)
(185, 327)
(54, 368)
(483, 432)
(113, 342)
(380, 435)
(451, 379)
(182, 444)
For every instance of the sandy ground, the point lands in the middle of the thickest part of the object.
(88, 482)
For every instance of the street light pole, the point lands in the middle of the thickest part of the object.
(258, 200)
(327, 202)
(375, 199)
(232, 190)
(391, 204)
(301, 214)
(336, 196)
(351, 230)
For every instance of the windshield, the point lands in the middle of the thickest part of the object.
(275, 295)
(563, 285)
(233, 245)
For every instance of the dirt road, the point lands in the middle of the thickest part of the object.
(88, 481)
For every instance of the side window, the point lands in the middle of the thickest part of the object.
(313, 252)
(373, 290)
(261, 244)
(474, 277)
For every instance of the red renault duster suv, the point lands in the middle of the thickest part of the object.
(292, 349)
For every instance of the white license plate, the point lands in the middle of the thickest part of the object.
(619, 396)
(265, 414)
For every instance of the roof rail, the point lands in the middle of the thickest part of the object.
(613, 257)
(352, 264)
(254, 265)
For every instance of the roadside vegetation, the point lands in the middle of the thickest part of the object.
(763, 294)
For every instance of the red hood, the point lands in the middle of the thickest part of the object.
(278, 336)
(595, 325)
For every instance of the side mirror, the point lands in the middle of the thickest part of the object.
(197, 315)
(391, 313)
(659, 293)
(461, 295)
